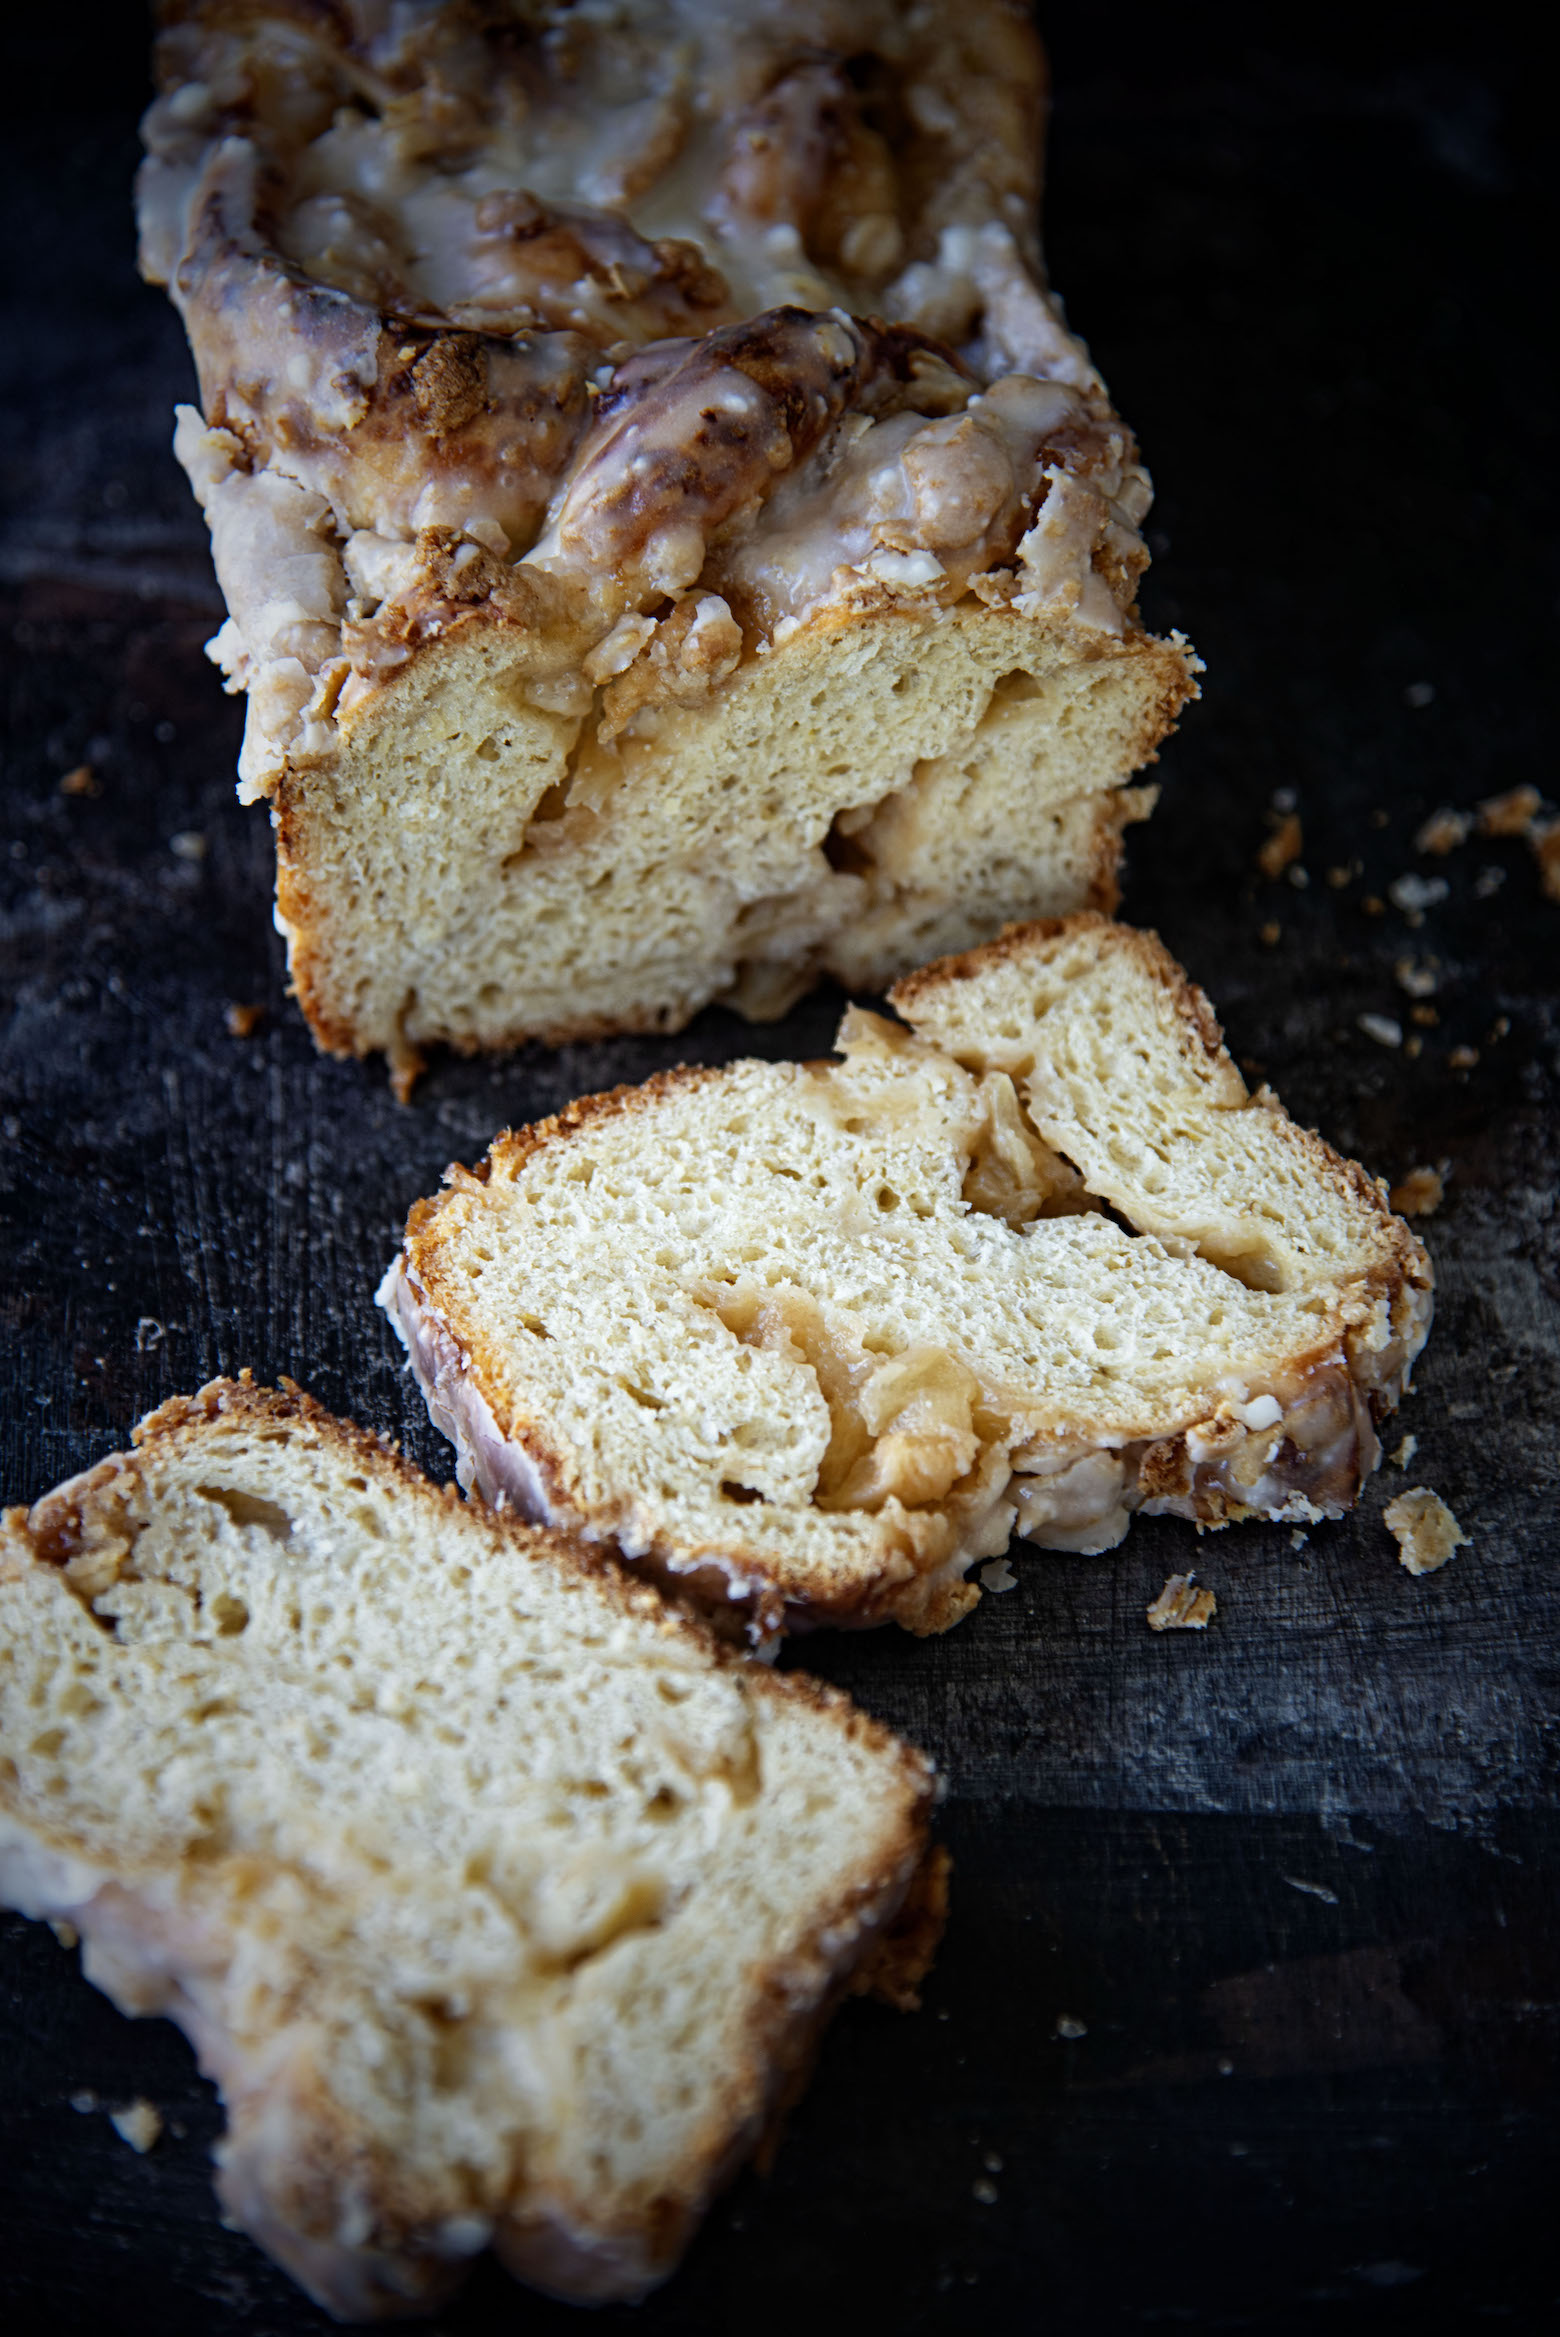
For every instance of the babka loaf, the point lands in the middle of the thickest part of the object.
(811, 1339)
(502, 1904)
(673, 544)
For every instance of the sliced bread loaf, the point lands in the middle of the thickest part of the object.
(500, 1901)
(673, 544)
(812, 1338)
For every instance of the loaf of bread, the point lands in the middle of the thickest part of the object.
(503, 1905)
(811, 1339)
(674, 546)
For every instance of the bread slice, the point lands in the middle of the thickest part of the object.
(673, 544)
(502, 1904)
(812, 1338)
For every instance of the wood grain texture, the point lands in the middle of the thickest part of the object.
(1292, 1877)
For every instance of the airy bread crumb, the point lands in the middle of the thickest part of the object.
(1421, 1192)
(1425, 1531)
(139, 2124)
(1180, 1606)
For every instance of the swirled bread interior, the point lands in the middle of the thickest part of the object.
(500, 1903)
(813, 1338)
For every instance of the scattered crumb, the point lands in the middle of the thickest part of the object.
(1413, 1047)
(1511, 814)
(1546, 850)
(1488, 883)
(1420, 1193)
(998, 1576)
(1464, 1058)
(1424, 1530)
(992, 2162)
(66, 1933)
(1500, 1028)
(243, 1021)
(1299, 877)
(82, 781)
(1069, 2027)
(1417, 976)
(985, 2190)
(1226, 2069)
(1373, 905)
(1379, 819)
(188, 844)
(1179, 1607)
(1419, 694)
(1405, 1452)
(84, 2101)
(149, 1333)
(1284, 799)
(1425, 1016)
(1339, 877)
(1298, 1540)
(1312, 1890)
(1382, 1028)
(139, 2125)
(1284, 845)
(1443, 831)
(1270, 934)
(1414, 894)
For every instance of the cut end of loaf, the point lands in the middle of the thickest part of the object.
(807, 1342)
(630, 616)
(501, 1903)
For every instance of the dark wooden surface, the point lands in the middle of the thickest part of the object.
(1295, 1877)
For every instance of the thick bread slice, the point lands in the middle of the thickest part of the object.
(673, 544)
(813, 1337)
(500, 1901)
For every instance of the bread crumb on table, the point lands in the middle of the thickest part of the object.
(1382, 1028)
(998, 1576)
(82, 781)
(1443, 831)
(1511, 814)
(1284, 845)
(1181, 1607)
(1067, 2024)
(1420, 1193)
(243, 1021)
(1404, 1452)
(140, 2124)
(1424, 1529)
(1546, 850)
(1414, 894)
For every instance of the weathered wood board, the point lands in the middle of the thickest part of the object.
(1290, 1881)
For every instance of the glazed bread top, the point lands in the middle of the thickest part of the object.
(564, 314)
